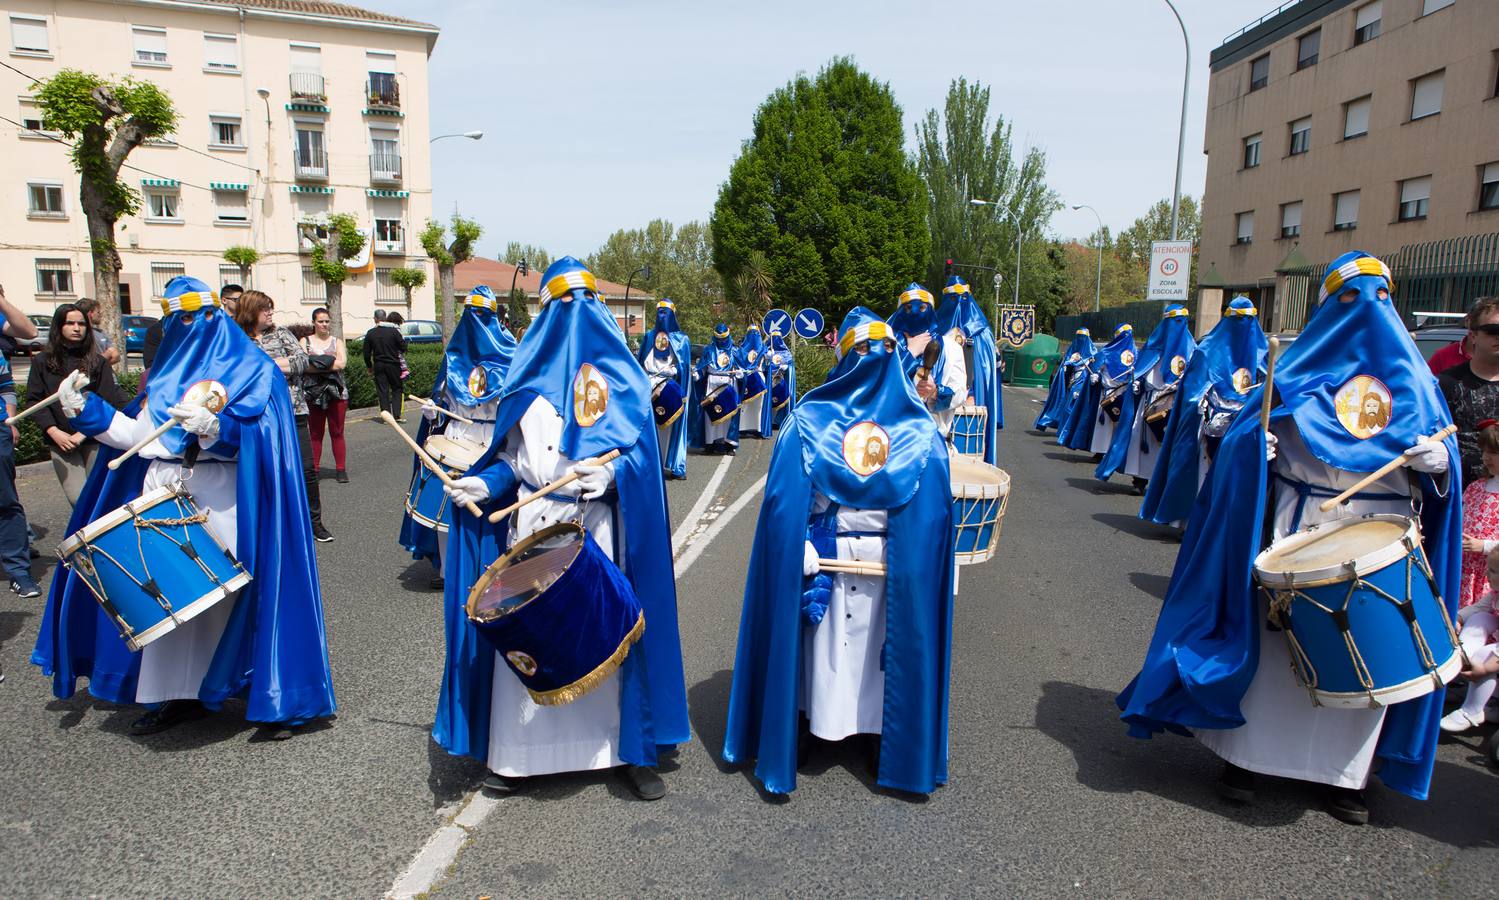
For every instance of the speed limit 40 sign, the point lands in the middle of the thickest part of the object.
(1170, 271)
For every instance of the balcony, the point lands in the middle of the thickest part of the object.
(388, 237)
(311, 164)
(385, 168)
(396, 247)
(310, 235)
(383, 92)
(307, 86)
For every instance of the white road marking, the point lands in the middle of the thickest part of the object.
(679, 539)
(698, 542)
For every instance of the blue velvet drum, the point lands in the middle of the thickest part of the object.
(980, 493)
(559, 611)
(153, 564)
(754, 386)
(721, 404)
(780, 391)
(1360, 612)
(968, 431)
(666, 402)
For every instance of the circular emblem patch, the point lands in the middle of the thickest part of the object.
(524, 663)
(1039, 366)
(723, 359)
(478, 381)
(662, 342)
(1127, 357)
(590, 395)
(1242, 380)
(1075, 356)
(753, 355)
(1364, 406)
(208, 394)
(1178, 365)
(865, 448)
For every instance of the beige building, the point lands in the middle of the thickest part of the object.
(1336, 125)
(290, 110)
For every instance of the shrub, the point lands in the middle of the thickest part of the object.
(814, 360)
(422, 359)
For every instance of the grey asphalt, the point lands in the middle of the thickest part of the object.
(1048, 796)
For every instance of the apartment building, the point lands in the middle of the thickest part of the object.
(290, 110)
(1335, 125)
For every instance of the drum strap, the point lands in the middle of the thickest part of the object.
(565, 496)
(861, 534)
(1305, 491)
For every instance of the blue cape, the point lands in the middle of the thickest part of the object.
(1053, 412)
(569, 332)
(961, 312)
(708, 362)
(1205, 649)
(914, 486)
(754, 342)
(788, 369)
(1236, 342)
(679, 346)
(273, 652)
(1076, 432)
(1170, 345)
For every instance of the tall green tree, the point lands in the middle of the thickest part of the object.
(963, 155)
(681, 268)
(1133, 244)
(824, 188)
(330, 258)
(535, 257)
(448, 254)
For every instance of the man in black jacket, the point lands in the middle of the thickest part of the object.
(383, 346)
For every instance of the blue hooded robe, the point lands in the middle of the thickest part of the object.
(273, 651)
(960, 311)
(679, 348)
(1083, 410)
(754, 346)
(1054, 411)
(1171, 346)
(1235, 345)
(574, 328)
(917, 314)
(1205, 649)
(782, 363)
(913, 485)
(708, 362)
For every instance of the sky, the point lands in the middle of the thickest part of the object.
(600, 115)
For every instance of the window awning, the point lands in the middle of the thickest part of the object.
(306, 107)
(310, 189)
(398, 195)
(226, 186)
(158, 182)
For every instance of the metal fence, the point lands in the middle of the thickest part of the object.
(1144, 315)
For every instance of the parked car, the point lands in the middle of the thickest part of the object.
(135, 331)
(1430, 340)
(43, 328)
(421, 331)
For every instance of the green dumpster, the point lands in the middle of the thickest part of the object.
(1032, 365)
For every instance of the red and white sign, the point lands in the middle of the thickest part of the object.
(1170, 271)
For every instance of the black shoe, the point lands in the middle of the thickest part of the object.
(872, 755)
(1097, 457)
(435, 582)
(1235, 784)
(31, 548)
(496, 783)
(644, 783)
(730, 450)
(278, 731)
(1138, 487)
(341, 476)
(26, 589)
(321, 534)
(1346, 805)
(168, 715)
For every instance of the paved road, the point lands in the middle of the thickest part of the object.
(1047, 794)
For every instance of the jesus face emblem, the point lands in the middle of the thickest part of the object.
(661, 341)
(478, 381)
(1364, 406)
(1242, 380)
(590, 395)
(723, 360)
(1178, 365)
(208, 394)
(1127, 357)
(866, 447)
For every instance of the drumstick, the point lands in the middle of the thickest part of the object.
(432, 465)
(567, 479)
(140, 445)
(35, 407)
(850, 567)
(1381, 472)
(1269, 383)
(427, 401)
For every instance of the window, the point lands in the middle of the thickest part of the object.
(383, 90)
(387, 235)
(1245, 223)
(1488, 186)
(386, 290)
(225, 131)
(229, 274)
(385, 154)
(220, 52)
(1356, 117)
(1290, 219)
(29, 35)
(1366, 22)
(161, 273)
(1301, 136)
(54, 276)
(312, 219)
(1307, 48)
(1432, 6)
(1426, 95)
(314, 290)
(1345, 211)
(312, 156)
(44, 201)
(1252, 151)
(150, 45)
(1415, 193)
(163, 203)
(231, 206)
(1259, 72)
(307, 72)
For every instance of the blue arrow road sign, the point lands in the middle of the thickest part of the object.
(778, 320)
(809, 323)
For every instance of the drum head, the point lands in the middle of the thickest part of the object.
(452, 452)
(974, 478)
(525, 572)
(1322, 553)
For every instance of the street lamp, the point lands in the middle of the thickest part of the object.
(520, 269)
(1181, 133)
(1097, 285)
(471, 135)
(643, 270)
(1019, 235)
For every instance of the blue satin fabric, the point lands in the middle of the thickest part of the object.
(569, 332)
(1205, 649)
(708, 362)
(680, 348)
(961, 312)
(755, 341)
(778, 347)
(764, 698)
(210, 346)
(1076, 432)
(1236, 342)
(1054, 411)
(274, 651)
(1170, 339)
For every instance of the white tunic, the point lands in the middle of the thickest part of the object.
(173, 666)
(955, 378)
(843, 674)
(1103, 432)
(660, 370)
(712, 434)
(526, 738)
(1139, 462)
(1284, 734)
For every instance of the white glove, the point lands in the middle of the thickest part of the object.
(810, 557)
(1271, 441)
(1427, 456)
(1093, 378)
(593, 480)
(70, 393)
(468, 489)
(1137, 387)
(429, 413)
(197, 420)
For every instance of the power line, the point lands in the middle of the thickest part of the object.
(67, 143)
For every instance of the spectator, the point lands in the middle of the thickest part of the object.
(326, 391)
(383, 349)
(70, 348)
(396, 319)
(1472, 387)
(1449, 356)
(256, 314)
(95, 315)
(15, 548)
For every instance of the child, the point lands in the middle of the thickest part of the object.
(1480, 517)
(1480, 640)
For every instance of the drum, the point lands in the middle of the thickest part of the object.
(1113, 402)
(153, 564)
(1218, 412)
(721, 404)
(969, 427)
(1359, 608)
(780, 391)
(980, 493)
(754, 386)
(559, 611)
(1158, 410)
(426, 502)
(666, 402)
